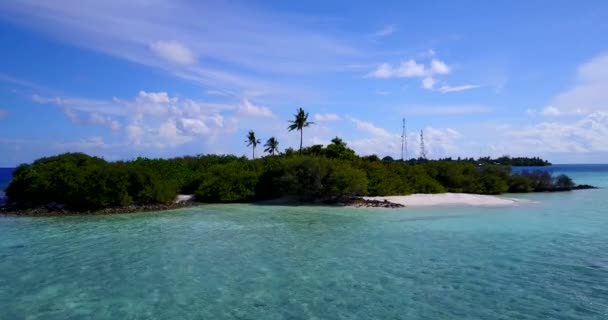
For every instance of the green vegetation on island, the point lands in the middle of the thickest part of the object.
(80, 182)
(515, 161)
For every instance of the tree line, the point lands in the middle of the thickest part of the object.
(81, 182)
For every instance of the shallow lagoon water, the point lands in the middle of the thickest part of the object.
(547, 260)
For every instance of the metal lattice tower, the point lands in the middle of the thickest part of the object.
(422, 148)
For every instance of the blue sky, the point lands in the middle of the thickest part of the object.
(163, 78)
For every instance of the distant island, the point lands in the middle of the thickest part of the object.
(504, 160)
(76, 182)
(511, 161)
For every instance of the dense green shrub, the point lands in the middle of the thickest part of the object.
(269, 186)
(344, 180)
(81, 182)
(232, 182)
(539, 181)
(61, 179)
(421, 181)
(563, 182)
(317, 177)
(304, 177)
(386, 180)
(147, 186)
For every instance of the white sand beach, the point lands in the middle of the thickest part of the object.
(450, 199)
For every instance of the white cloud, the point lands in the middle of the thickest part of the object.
(134, 133)
(440, 142)
(195, 126)
(158, 121)
(446, 88)
(101, 120)
(428, 83)
(154, 97)
(383, 93)
(383, 71)
(589, 134)
(439, 67)
(385, 31)
(174, 51)
(247, 108)
(170, 135)
(589, 94)
(370, 128)
(153, 118)
(326, 117)
(410, 69)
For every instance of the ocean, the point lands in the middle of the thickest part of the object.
(544, 260)
(5, 177)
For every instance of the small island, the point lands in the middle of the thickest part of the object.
(78, 183)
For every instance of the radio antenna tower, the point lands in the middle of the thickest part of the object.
(422, 148)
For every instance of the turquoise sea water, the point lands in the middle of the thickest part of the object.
(547, 260)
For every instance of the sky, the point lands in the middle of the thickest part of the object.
(165, 78)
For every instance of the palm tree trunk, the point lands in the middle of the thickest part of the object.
(253, 152)
(301, 135)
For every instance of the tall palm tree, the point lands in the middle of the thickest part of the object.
(272, 145)
(252, 141)
(299, 122)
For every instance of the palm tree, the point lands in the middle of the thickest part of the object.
(272, 145)
(252, 141)
(299, 122)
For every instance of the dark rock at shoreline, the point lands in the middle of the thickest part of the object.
(367, 203)
(54, 209)
(584, 187)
